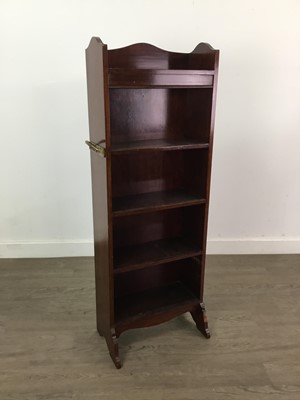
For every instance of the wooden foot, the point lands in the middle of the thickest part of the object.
(200, 318)
(113, 347)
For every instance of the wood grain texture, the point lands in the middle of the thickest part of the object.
(209, 59)
(159, 172)
(154, 201)
(166, 114)
(147, 56)
(154, 253)
(157, 145)
(153, 301)
(138, 229)
(142, 78)
(50, 349)
(99, 127)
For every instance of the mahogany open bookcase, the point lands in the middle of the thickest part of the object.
(151, 118)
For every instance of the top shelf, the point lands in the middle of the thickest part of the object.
(148, 78)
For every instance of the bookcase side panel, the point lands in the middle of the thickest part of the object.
(213, 57)
(96, 64)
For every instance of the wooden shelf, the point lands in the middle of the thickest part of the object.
(153, 253)
(153, 301)
(171, 78)
(156, 145)
(147, 202)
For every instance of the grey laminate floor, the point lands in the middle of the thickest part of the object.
(49, 348)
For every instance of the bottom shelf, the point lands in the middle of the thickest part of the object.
(153, 301)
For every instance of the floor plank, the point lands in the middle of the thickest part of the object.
(49, 348)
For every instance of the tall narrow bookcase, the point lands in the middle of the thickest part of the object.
(151, 118)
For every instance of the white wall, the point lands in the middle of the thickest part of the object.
(45, 203)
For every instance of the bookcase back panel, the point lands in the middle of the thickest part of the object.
(148, 114)
(185, 271)
(154, 226)
(147, 56)
(198, 113)
(147, 172)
